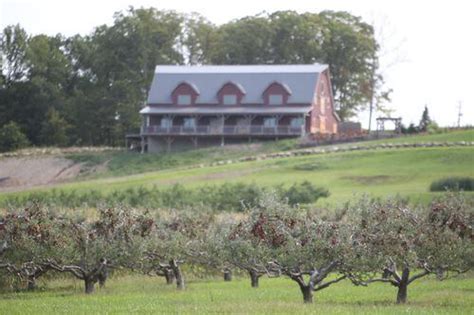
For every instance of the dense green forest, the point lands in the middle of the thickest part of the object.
(87, 90)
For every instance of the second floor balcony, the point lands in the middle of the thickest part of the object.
(244, 130)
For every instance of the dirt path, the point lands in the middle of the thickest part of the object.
(25, 172)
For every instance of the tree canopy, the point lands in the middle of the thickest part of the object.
(90, 88)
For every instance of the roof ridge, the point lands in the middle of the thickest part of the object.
(259, 68)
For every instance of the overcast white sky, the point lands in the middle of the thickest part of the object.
(433, 41)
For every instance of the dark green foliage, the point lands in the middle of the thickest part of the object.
(11, 137)
(228, 197)
(303, 193)
(87, 90)
(425, 120)
(54, 129)
(453, 183)
(411, 129)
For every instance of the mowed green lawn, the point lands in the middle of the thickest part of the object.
(146, 295)
(407, 172)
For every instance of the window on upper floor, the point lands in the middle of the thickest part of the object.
(275, 99)
(229, 99)
(184, 99)
(276, 93)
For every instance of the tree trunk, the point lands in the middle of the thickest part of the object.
(227, 275)
(307, 293)
(403, 286)
(169, 276)
(89, 286)
(31, 283)
(102, 277)
(177, 274)
(254, 278)
(402, 293)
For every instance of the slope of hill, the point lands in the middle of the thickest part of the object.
(407, 171)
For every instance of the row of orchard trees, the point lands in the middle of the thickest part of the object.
(370, 241)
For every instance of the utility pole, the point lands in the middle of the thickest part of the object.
(459, 114)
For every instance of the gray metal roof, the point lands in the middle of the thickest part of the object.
(299, 79)
(226, 109)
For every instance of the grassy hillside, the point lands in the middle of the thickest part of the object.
(404, 171)
(407, 172)
(127, 163)
(135, 294)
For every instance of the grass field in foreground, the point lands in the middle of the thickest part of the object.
(408, 172)
(145, 295)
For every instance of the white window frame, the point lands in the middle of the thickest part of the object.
(184, 99)
(267, 124)
(275, 99)
(187, 122)
(229, 99)
(166, 122)
(296, 122)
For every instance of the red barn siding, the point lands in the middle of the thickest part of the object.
(323, 118)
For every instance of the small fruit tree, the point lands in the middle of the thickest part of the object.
(279, 238)
(408, 244)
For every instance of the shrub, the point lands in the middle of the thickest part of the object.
(453, 183)
(433, 128)
(228, 197)
(305, 192)
(12, 138)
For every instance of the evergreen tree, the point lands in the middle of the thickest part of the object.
(425, 120)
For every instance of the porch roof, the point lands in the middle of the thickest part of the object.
(237, 110)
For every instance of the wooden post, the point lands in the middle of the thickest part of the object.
(142, 145)
(169, 141)
(195, 141)
(303, 125)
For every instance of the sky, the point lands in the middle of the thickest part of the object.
(427, 55)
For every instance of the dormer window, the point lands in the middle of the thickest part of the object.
(229, 99)
(276, 94)
(230, 93)
(184, 99)
(185, 93)
(275, 99)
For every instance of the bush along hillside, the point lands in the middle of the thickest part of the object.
(228, 196)
(384, 241)
(453, 183)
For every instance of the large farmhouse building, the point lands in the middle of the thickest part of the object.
(195, 106)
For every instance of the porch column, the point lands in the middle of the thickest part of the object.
(303, 125)
(277, 123)
(142, 144)
(169, 141)
(170, 121)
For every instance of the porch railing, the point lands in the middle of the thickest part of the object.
(224, 130)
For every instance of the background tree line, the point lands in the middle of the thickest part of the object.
(87, 90)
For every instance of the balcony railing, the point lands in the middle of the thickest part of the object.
(224, 130)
